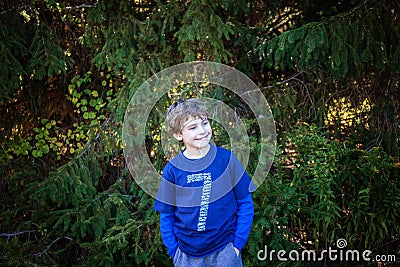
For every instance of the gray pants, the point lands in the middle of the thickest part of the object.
(224, 258)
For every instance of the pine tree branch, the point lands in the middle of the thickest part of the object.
(24, 7)
(40, 254)
(28, 7)
(89, 145)
(9, 235)
(82, 6)
(293, 77)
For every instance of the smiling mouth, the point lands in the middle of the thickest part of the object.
(202, 138)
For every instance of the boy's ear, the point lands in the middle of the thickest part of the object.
(177, 137)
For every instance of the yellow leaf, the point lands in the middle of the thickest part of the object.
(205, 84)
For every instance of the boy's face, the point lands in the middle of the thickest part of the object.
(196, 133)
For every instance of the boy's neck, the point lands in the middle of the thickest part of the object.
(196, 153)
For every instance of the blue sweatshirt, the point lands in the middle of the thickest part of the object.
(205, 203)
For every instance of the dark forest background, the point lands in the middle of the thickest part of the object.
(329, 70)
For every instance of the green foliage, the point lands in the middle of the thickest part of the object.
(113, 226)
(12, 47)
(301, 189)
(69, 185)
(320, 190)
(126, 241)
(372, 202)
(343, 43)
(275, 204)
(203, 32)
(315, 163)
(89, 104)
(48, 58)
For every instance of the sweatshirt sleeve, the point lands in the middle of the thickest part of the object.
(167, 232)
(245, 216)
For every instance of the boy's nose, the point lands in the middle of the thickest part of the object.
(203, 130)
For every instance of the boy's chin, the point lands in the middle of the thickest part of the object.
(204, 143)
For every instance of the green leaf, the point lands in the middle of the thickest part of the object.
(93, 102)
(37, 153)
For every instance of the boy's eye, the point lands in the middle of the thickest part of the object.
(205, 122)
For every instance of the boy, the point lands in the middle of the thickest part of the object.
(206, 209)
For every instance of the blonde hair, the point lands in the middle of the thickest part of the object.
(182, 111)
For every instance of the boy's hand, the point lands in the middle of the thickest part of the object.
(237, 251)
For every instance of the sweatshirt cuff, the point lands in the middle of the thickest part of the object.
(172, 251)
(239, 243)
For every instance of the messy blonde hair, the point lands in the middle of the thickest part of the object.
(182, 111)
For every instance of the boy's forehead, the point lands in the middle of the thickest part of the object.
(193, 119)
